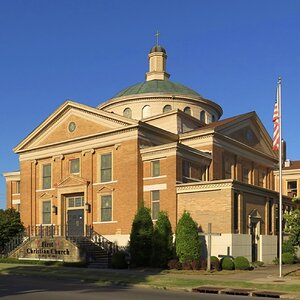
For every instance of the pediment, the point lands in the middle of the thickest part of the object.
(72, 181)
(254, 214)
(249, 131)
(72, 121)
(46, 196)
(105, 189)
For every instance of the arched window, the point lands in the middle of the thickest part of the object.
(187, 110)
(202, 116)
(127, 113)
(146, 112)
(167, 108)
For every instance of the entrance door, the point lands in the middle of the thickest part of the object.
(253, 241)
(76, 222)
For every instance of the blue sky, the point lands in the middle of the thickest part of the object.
(229, 51)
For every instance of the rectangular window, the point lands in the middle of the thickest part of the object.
(155, 168)
(106, 208)
(17, 187)
(227, 169)
(186, 169)
(261, 179)
(47, 176)
(155, 200)
(246, 175)
(236, 212)
(46, 212)
(74, 166)
(292, 189)
(106, 168)
(77, 201)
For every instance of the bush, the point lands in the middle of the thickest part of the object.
(162, 244)
(215, 263)
(196, 265)
(141, 238)
(288, 258)
(174, 264)
(288, 247)
(241, 263)
(227, 263)
(188, 245)
(118, 260)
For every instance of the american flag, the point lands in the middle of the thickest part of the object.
(276, 123)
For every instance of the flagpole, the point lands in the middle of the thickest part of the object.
(280, 175)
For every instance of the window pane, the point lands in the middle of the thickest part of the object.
(155, 168)
(155, 210)
(106, 208)
(74, 166)
(106, 167)
(167, 108)
(155, 195)
(47, 176)
(46, 182)
(71, 202)
(47, 212)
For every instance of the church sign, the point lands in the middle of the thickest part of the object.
(56, 249)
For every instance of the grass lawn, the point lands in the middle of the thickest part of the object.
(151, 278)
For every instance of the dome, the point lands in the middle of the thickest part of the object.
(157, 86)
(158, 48)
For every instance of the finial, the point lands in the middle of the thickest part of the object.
(157, 35)
(279, 79)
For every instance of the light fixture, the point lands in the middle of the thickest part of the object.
(87, 207)
(54, 209)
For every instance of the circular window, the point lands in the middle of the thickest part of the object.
(72, 126)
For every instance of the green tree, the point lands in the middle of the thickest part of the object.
(141, 237)
(162, 241)
(293, 226)
(188, 245)
(10, 225)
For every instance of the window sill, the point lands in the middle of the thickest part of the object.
(155, 177)
(106, 222)
(44, 190)
(107, 182)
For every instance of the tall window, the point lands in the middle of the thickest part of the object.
(46, 176)
(246, 176)
(155, 168)
(187, 110)
(106, 167)
(167, 108)
(202, 116)
(127, 113)
(146, 112)
(292, 188)
(155, 199)
(74, 166)
(261, 178)
(227, 165)
(17, 187)
(106, 208)
(46, 213)
(186, 168)
(236, 212)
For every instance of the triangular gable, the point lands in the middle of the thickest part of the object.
(70, 121)
(46, 196)
(71, 181)
(105, 190)
(248, 130)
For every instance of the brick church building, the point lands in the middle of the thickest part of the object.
(157, 142)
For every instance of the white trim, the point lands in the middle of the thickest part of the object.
(107, 182)
(16, 201)
(17, 194)
(45, 190)
(155, 177)
(155, 187)
(106, 222)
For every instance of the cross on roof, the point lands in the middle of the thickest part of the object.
(157, 36)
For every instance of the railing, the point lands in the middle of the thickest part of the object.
(100, 240)
(14, 243)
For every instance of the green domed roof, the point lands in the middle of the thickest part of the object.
(158, 48)
(157, 86)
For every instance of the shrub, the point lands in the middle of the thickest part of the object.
(162, 244)
(288, 247)
(215, 263)
(196, 265)
(188, 245)
(227, 263)
(141, 238)
(241, 263)
(174, 264)
(118, 260)
(288, 258)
